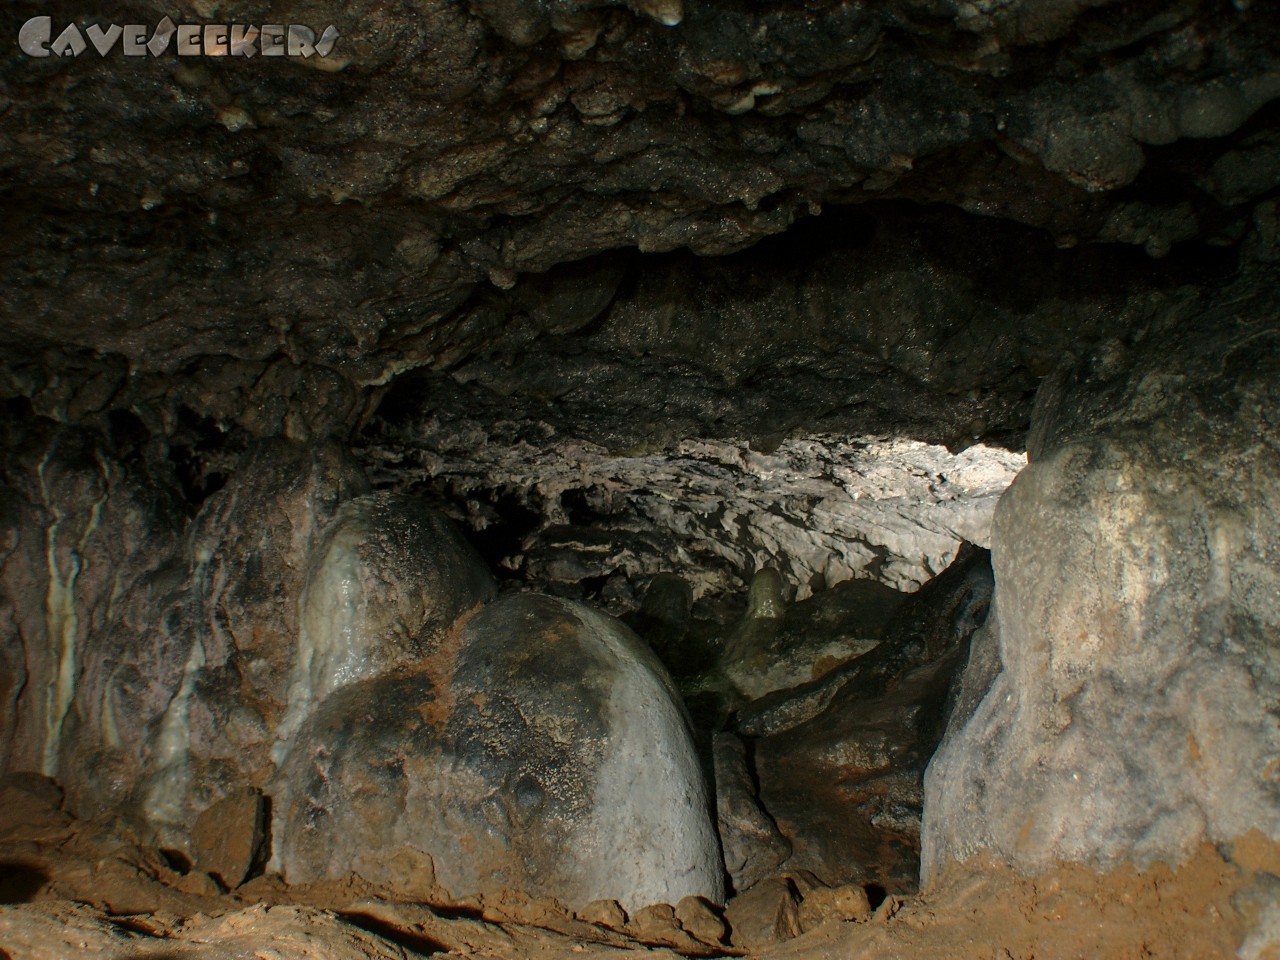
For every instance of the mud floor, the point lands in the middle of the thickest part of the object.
(72, 888)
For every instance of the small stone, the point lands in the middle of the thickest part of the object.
(700, 921)
(657, 925)
(843, 903)
(766, 914)
(228, 836)
(198, 884)
(603, 913)
(887, 909)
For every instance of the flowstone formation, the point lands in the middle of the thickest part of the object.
(545, 753)
(1129, 716)
(315, 636)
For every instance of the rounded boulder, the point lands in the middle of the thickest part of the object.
(543, 749)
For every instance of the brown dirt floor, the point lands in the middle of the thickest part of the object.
(71, 888)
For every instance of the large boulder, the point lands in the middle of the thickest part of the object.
(1122, 705)
(387, 579)
(542, 748)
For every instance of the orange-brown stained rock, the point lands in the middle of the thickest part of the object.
(848, 902)
(983, 910)
(228, 836)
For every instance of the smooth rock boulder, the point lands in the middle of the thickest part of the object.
(1122, 707)
(542, 748)
(387, 579)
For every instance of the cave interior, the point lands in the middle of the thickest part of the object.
(539, 477)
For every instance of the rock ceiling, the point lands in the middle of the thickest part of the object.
(464, 193)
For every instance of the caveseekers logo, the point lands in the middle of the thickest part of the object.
(37, 39)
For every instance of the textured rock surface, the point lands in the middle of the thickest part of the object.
(88, 540)
(235, 634)
(634, 289)
(776, 647)
(753, 847)
(543, 750)
(388, 578)
(1130, 717)
(227, 839)
(844, 787)
(461, 147)
(820, 510)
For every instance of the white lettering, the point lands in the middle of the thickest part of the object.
(34, 36)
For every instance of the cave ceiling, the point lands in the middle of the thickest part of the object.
(629, 222)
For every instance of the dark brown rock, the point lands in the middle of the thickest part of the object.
(227, 839)
(845, 787)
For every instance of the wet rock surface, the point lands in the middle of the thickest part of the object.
(1126, 720)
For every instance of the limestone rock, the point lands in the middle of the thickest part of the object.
(847, 902)
(800, 644)
(766, 914)
(386, 580)
(620, 132)
(542, 749)
(844, 787)
(657, 925)
(1128, 716)
(753, 847)
(817, 510)
(700, 920)
(87, 543)
(232, 631)
(603, 913)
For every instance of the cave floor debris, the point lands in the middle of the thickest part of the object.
(69, 887)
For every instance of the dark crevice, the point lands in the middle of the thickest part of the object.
(417, 943)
